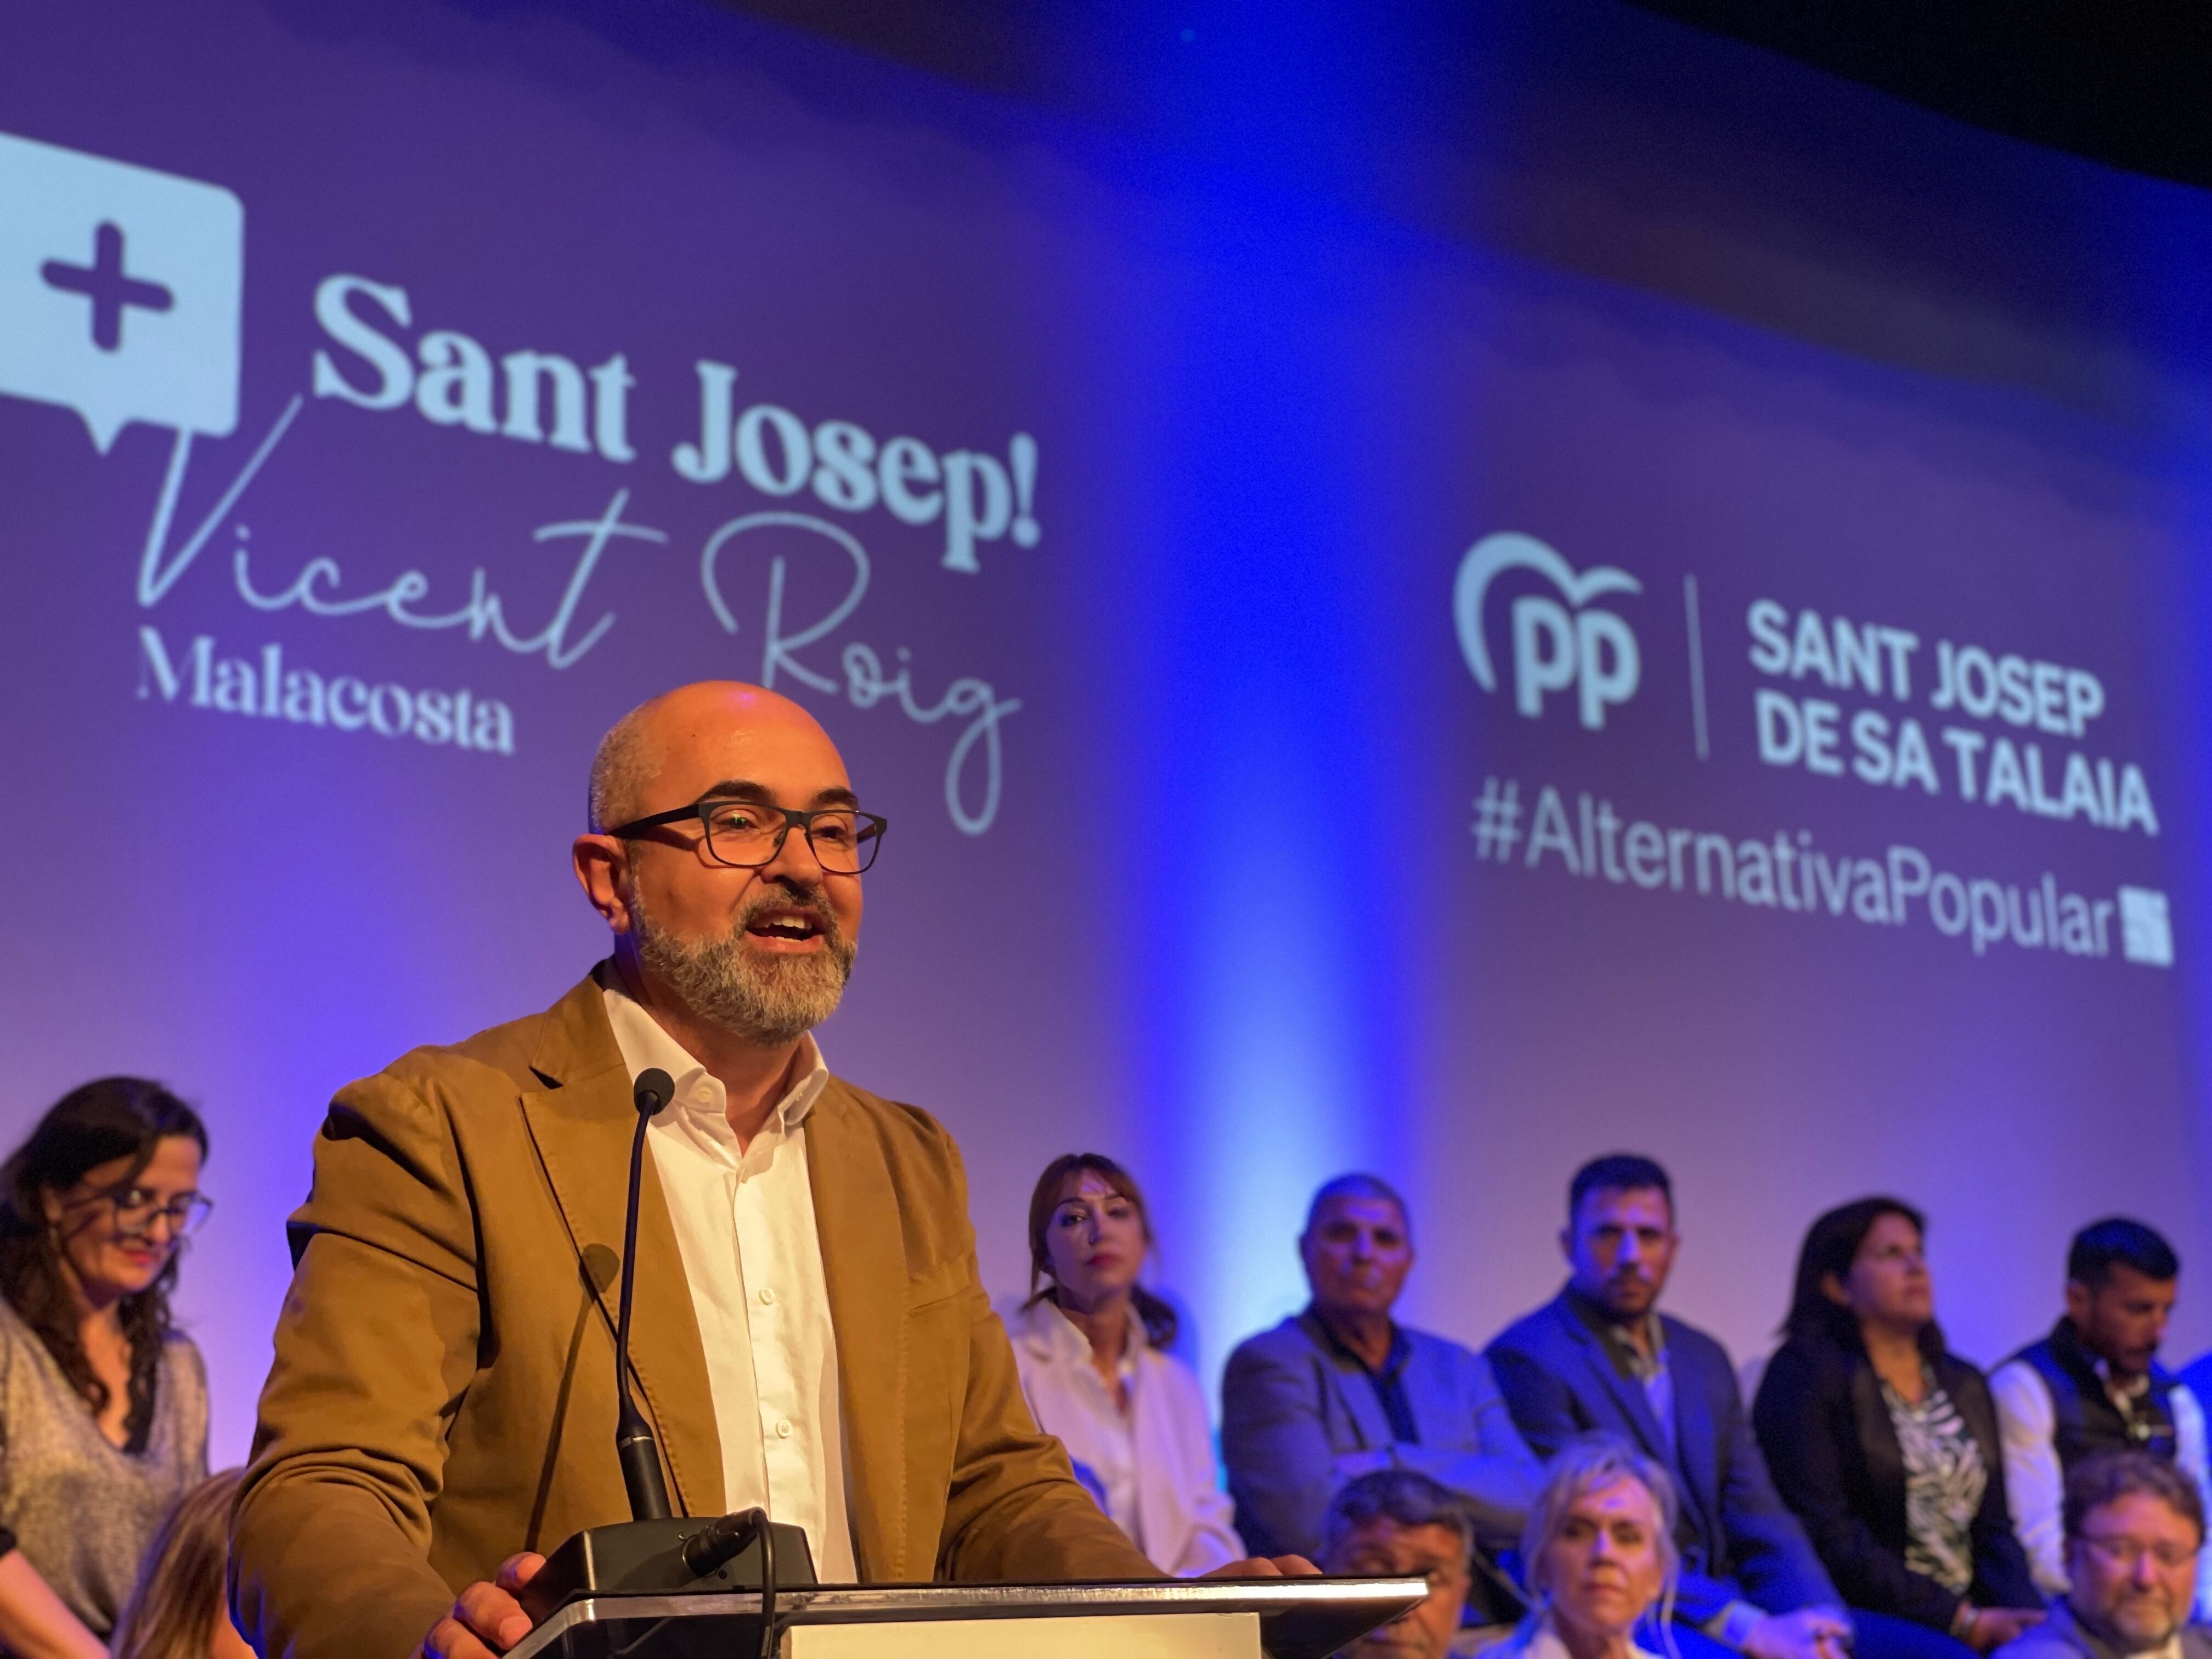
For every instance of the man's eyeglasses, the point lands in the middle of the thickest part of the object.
(136, 1210)
(748, 833)
(2125, 1553)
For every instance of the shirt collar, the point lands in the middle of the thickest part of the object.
(2125, 1390)
(700, 1101)
(1392, 1362)
(1615, 1336)
(1051, 1334)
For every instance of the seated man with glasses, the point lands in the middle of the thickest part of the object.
(2133, 1526)
(810, 1335)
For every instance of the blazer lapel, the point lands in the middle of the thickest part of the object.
(864, 1268)
(1885, 1456)
(1971, 1394)
(1355, 1395)
(1700, 1426)
(1627, 1393)
(581, 1123)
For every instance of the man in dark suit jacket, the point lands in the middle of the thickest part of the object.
(1600, 1357)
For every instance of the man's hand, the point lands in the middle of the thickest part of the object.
(1992, 1627)
(486, 1620)
(1807, 1633)
(1262, 1567)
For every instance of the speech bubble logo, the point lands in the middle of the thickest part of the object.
(120, 291)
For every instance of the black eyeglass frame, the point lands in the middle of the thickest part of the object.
(869, 835)
(196, 1208)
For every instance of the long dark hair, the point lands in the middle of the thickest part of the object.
(114, 1117)
(1831, 1246)
(1160, 1322)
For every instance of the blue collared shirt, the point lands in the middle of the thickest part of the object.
(1388, 1379)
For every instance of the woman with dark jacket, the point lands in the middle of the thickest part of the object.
(1885, 1445)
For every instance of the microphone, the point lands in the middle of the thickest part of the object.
(635, 1446)
(655, 1553)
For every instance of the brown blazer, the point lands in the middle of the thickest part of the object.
(443, 1390)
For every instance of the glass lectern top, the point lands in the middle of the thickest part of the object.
(1298, 1618)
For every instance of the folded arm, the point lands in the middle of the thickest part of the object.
(1499, 1478)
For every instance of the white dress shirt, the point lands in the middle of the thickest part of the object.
(1151, 1466)
(744, 1225)
(2035, 1486)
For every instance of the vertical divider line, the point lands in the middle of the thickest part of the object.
(1696, 665)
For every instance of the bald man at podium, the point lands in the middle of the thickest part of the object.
(809, 1334)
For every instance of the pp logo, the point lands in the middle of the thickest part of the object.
(1554, 646)
(120, 291)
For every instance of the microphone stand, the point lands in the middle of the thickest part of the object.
(637, 1450)
(654, 1552)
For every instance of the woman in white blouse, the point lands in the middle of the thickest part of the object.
(1089, 1344)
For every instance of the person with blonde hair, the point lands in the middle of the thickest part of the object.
(178, 1610)
(1599, 1553)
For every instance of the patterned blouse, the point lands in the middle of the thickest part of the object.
(83, 1510)
(1944, 1479)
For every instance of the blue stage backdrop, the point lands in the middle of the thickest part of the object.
(1349, 688)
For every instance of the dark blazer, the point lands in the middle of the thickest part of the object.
(1737, 1538)
(1835, 1459)
(1296, 1413)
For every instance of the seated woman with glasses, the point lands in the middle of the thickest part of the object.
(1886, 1445)
(103, 1405)
(1089, 1346)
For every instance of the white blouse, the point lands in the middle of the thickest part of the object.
(1151, 1467)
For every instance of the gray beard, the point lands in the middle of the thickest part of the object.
(767, 1000)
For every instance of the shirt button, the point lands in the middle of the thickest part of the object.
(767, 1296)
(783, 1428)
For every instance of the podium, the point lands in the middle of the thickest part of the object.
(1181, 1619)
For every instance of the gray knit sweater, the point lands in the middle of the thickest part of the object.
(82, 1511)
